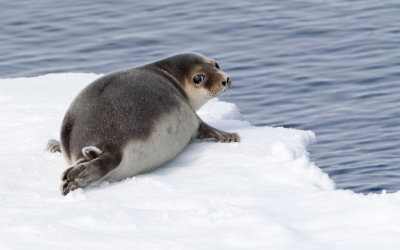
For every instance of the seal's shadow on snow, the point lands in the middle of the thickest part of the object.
(194, 150)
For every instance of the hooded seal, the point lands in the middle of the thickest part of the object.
(133, 121)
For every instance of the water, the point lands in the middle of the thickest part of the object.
(329, 66)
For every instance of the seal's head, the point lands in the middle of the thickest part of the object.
(200, 77)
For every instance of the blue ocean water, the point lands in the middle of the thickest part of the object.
(329, 66)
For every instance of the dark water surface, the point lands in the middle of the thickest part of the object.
(329, 66)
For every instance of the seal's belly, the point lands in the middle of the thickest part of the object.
(170, 135)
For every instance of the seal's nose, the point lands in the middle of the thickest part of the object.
(227, 82)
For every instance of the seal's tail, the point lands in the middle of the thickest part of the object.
(90, 169)
(91, 152)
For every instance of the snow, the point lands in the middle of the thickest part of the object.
(262, 193)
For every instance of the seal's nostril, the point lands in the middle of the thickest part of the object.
(228, 81)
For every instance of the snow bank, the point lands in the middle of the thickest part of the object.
(263, 193)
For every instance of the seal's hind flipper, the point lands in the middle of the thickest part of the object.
(53, 146)
(86, 173)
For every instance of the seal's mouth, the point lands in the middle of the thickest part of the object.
(218, 91)
(225, 89)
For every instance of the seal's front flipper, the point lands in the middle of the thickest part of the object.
(53, 146)
(206, 131)
(86, 173)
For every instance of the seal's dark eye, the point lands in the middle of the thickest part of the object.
(216, 65)
(198, 78)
